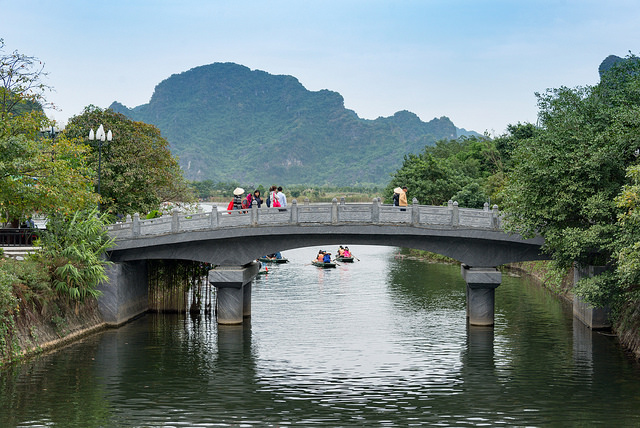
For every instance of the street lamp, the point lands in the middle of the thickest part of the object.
(100, 136)
(51, 132)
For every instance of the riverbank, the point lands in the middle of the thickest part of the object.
(52, 327)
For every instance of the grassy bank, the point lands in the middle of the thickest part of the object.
(32, 318)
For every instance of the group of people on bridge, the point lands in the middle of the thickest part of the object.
(276, 199)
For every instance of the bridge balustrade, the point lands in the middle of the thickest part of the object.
(306, 213)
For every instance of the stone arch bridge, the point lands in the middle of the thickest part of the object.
(232, 241)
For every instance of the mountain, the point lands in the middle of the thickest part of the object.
(227, 122)
(609, 62)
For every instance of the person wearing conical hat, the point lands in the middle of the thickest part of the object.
(237, 198)
(396, 196)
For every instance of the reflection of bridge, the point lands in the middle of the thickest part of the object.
(233, 240)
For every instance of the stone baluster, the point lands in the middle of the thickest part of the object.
(135, 228)
(455, 216)
(175, 221)
(334, 210)
(415, 212)
(375, 211)
(294, 212)
(254, 212)
(495, 217)
(342, 200)
(306, 201)
(213, 217)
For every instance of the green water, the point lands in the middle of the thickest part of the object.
(380, 342)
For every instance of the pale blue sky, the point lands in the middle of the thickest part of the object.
(477, 62)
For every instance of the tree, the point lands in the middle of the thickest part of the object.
(22, 86)
(36, 173)
(137, 170)
(450, 169)
(628, 253)
(567, 177)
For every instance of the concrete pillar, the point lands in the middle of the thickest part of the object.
(595, 318)
(234, 291)
(126, 293)
(481, 287)
(246, 300)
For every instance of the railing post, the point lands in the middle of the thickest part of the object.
(334, 210)
(375, 211)
(294, 212)
(415, 212)
(175, 221)
(495, 219)
(254, 212)
(135, 227)
(306, 201)
(342, 200)
(455, 216)
(213, 217)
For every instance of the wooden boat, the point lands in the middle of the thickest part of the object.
(344, 259)
(323, 264)
(269, 260)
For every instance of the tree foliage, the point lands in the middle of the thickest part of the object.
(566, 175)
(452, 169)
(37, 174)
(137, 170)
(574, 180)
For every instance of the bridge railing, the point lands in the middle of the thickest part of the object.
(306, 213)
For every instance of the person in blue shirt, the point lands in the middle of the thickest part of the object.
(327, 258)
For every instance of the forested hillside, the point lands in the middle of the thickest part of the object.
(227, 122)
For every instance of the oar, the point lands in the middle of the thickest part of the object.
(356, 258)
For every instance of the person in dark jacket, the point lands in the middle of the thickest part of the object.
(257, 198)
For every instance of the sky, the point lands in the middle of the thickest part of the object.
(478, 62)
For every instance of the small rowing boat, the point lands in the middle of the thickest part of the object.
(270, 260)
(323, 264)
(344, 259)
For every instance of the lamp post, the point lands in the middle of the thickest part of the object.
(51, 132)
(100, 136)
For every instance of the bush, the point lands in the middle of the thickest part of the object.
(73, 248)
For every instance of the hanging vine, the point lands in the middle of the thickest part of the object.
(179, 286)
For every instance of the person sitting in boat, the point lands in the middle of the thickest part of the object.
(327, 258)
(320, 257)
(277, 255)
(346, 253)
(340, 251)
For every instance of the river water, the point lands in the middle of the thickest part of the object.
(380, 342)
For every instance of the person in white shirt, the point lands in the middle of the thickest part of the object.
(281, 197)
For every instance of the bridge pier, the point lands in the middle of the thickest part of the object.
(126, 294)
(481, 288)
(234, 291)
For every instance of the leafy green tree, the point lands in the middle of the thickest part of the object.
(628, 253)
(451, 169)
(137, 170)
(566, 177)
(36, 173)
